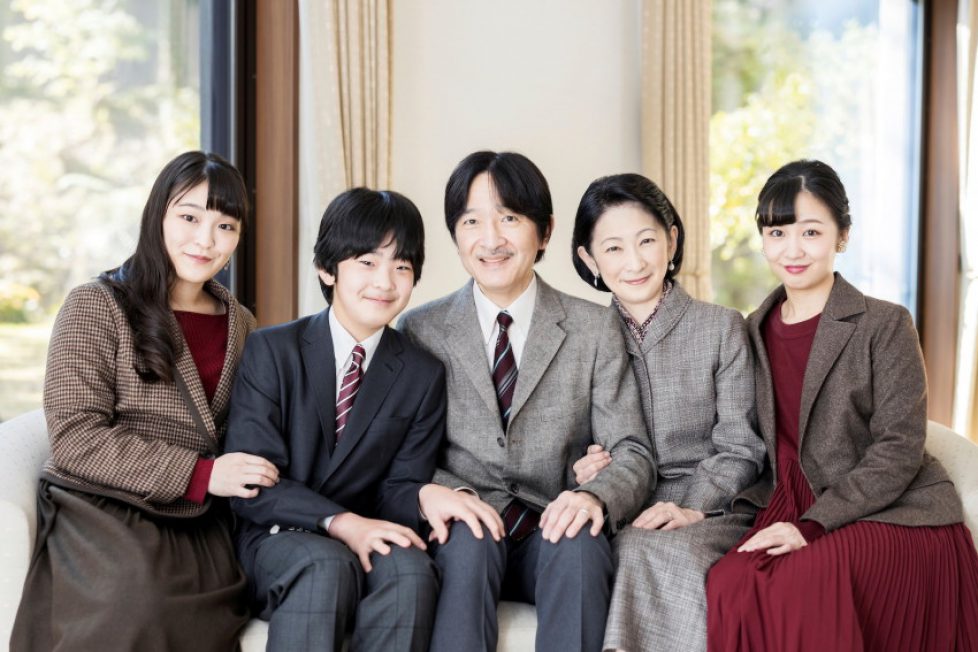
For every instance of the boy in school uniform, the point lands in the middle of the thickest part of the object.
(352, 414)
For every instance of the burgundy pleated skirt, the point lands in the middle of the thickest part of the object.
(865, 586)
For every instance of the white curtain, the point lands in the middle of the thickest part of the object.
(966, 376)
(676, 122)
(344, 114)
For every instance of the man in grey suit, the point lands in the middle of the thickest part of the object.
(533, 376)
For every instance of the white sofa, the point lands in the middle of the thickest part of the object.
(24, 447)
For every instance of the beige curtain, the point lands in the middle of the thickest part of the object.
(344, 114)
(966, 377)
(675, 122)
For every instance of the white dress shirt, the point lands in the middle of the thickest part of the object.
(520, 310)
(343, 344)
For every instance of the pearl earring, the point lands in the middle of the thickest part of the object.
(596, 277)
(672, 266)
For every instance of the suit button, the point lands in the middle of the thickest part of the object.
(514, 488)
(501, 442)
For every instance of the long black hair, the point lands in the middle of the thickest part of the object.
(142, 284)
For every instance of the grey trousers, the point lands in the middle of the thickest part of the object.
(569, 582)
(314, 589)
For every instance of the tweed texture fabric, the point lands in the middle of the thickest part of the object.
(863, 418)
(113, 434)
(574, 387)
(696, 375)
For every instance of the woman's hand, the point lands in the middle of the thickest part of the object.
(593, 462)
(667, 516)
(776, 539)
(233, 471)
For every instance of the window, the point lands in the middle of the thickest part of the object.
(95, 97)
(836, 80)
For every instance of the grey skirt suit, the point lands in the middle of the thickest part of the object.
(696, 375)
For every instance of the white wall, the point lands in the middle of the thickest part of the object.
(556, 80)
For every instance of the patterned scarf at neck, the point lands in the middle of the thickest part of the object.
(641, 330)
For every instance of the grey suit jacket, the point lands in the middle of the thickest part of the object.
(696, 375)
(574, 387)
(863, 417)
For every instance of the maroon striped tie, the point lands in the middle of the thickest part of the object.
(504, 370)
(348, 390)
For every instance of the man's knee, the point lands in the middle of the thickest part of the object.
(309, 566)
(411, 569)
(590, 555)
(468, 553)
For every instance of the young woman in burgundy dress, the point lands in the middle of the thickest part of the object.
(132, 551)
(859, 543)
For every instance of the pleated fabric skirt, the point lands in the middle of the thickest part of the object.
(107, 576)
(866, 586)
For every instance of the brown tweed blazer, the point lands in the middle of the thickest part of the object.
(115, 435)
(863, 417)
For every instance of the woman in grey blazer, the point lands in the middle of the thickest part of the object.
(694, 368)
(859, 544)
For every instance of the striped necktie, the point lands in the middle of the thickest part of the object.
(504, 367)
(349, 387)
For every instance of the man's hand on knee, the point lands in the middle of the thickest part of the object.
(441, 505)
(569, 513)
(366, 535)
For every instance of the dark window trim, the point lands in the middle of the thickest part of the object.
(940, 254)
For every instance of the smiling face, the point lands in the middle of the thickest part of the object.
(370, 290)
(631, 251)
(802, 254)
(498, 247)
(198, 241)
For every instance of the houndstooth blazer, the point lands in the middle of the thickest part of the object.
(112, 433)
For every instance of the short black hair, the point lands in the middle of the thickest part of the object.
(615, 190)
(361, 220)
(776, 201)
(520, 184)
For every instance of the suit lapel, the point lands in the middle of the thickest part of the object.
(319, 365)
(237, 332)
(542, 342)
(669, 313)
(195, 389)
(385, 366)
(464, 338)
(831, 338)
(765, 388)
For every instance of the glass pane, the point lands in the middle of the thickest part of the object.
(836, 80)
(95, 97)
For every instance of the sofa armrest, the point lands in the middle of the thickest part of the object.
(959, 457)
(23, 449)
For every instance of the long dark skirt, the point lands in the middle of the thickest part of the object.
(107, 576)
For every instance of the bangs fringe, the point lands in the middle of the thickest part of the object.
(776, 205)
(226, 193)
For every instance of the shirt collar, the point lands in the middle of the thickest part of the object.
(641, 330)
(343, 343)
(521, 310)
